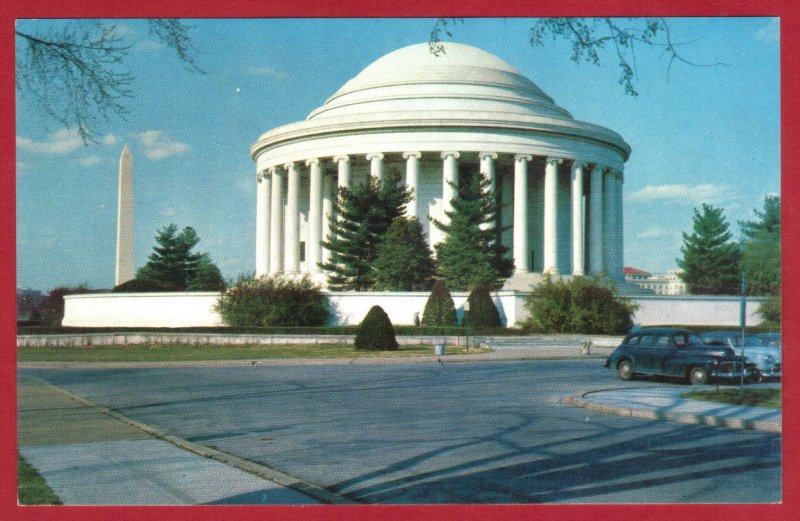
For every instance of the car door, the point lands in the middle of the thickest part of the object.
(646, 354)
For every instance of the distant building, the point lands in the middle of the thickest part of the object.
(28, 302)
(668, 283)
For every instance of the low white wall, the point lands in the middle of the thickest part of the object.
(197, 309)
(695, 310)
(141, 310)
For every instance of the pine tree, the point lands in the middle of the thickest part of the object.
(172, 262)
(710, 261)
(482, 311)
(471, 253)
(363, 215)
(440, 310)
(761, 255)
(404, 261)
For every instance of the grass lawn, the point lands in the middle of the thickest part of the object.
(184, 352)
(756, 397)
(32, 489)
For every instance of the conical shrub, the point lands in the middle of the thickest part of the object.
(439, 309)
(482, 311)
(376, 332)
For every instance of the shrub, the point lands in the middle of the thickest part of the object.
(439, 309)
(273, 301)
(52, 307)
(578, 305)
(376, 332)
(770, 311)
(145, 286)
(482, 311)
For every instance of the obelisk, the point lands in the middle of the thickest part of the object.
(125, 219)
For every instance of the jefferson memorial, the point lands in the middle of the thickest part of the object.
(434, 118)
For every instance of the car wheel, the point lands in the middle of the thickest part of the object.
(625, 369)
(698, 375)
(754, 376)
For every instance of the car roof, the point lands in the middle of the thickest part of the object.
(661, 331)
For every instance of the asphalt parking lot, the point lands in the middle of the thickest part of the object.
(469, 432)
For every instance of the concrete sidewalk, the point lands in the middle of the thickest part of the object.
(660, 403)
(90, 455)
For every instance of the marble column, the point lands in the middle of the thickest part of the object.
(578, 239)
(550, 223)
(487, 168)
(292, 220)
(619, 265)
(343, 163)
(276, 223)
(313, 248)
(328, 210)
(376, 165)
(596, 220)
(520, 246)
(263, 195)
(449, 181)
(412, 180)
(609, 214)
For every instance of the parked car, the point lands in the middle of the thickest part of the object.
(676, 352)
(760, 349)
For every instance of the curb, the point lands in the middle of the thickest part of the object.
(257, 469)
(678, 417)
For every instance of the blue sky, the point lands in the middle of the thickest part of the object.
(698, 134)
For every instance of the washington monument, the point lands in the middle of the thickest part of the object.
(124, 271)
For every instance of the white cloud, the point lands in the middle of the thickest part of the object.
(91, 160)
(110, 139)
(60, 142)
(168, 212)
(770, 32)
(255, 70)
(687, 195)
(655, 233)
(157, 145)
(148, 45)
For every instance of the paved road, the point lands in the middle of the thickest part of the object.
(442, 433)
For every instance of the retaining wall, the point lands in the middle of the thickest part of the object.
(172, 310)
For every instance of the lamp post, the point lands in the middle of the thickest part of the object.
(742, 323)
(464, 322)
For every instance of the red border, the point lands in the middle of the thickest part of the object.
(790, 27)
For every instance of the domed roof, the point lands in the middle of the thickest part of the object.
(463, 99)
(460, 80)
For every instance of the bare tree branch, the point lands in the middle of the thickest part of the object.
(589, 37)
(77, 74)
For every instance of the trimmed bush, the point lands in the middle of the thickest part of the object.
(579, 305)
(482, 311)
(273, 302)
(376, 332)
(439, 309)
(52, 307)
(145, 286)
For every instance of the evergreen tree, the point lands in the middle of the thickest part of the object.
(363, 215)
(482, 311)
(761, 253)
(710, 261)
(376, 332)
(404, 261)
(440, 310)
(471, 253)
(173, 264)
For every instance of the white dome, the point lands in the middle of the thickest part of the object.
(464, 99)
(462, 81)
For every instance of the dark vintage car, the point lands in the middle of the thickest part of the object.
(676, 352)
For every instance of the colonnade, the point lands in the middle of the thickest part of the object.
(277, 214)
